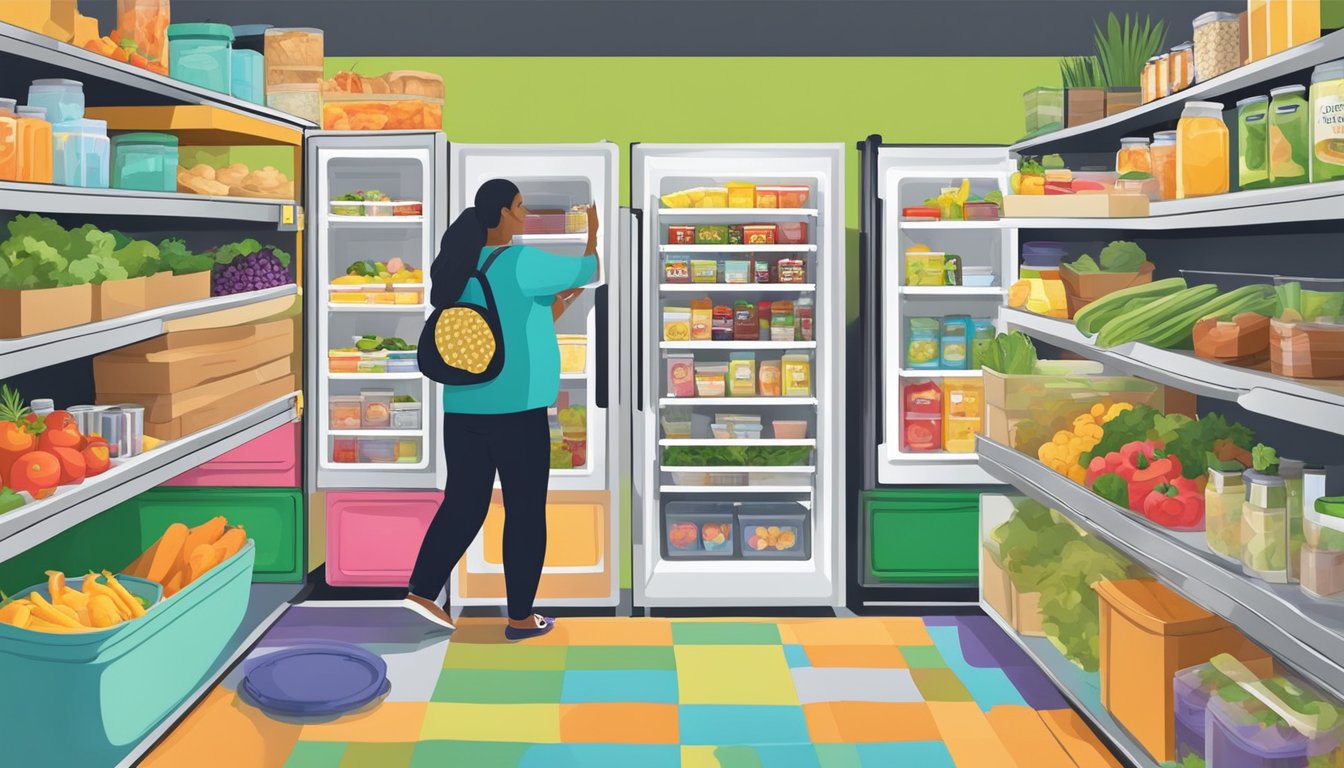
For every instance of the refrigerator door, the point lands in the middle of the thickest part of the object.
(739, 535)
(582, 566)
(352, 441)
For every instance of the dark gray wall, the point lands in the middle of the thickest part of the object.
(693, 27)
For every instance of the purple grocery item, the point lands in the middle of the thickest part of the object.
(316, 679)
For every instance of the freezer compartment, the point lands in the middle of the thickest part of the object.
(373, 537)
(776, 530)
(398, 178)
(699, 530)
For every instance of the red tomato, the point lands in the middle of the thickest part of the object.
(61, 432)
(72, 465)
(36, 472)
(97, 457)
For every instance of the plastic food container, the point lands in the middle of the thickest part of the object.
(789, 430)
(402, 361)
(1224, 496)
(62, 99)
(573, 352)
(773, 530)
(247, 72)
(34, 145)
(793, 195)
(345, 411)
(698, 529)
(790, 232)
(168, 652)
(924, 268)
(1217, 44)
(1042, 255)
(1251, 732)
(345, 450)
(200, 54)
(921, 213)
(978, 277)
(80, 153)
(748, 431)
(741, 195)
(384, 112)
(377, 450)
(676, 429)
(375, 409)
(304, 101)
(1327, 131)
(1323, 549)
(145, 161)
(1147, 633)
(1271, 524)
(1163, 151)
(406, 415)
(1289, 136)
(711, 379)
(145, 23)
(921, 350)
(293, 57)
(1201, 150)
(1192, 690)
(1182, 67)
(980, 211)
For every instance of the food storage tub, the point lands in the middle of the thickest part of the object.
(112, 687)
(384, 112)
(980, 211)
(978, 277)
(1322, 568)
(377, 450)
(34, 145)
(375, 408)
(676, 428)
(402, 361)
(247, 73)
(145, 161)
(924, 268)
(269, 461)
(199, 54)
(345, 450)
(741, 195)
(573, 352)
(1217, 44)
(777, 530)
(406, 415)
(294, 56)
(304, 101)
(1224, 496)
(344, 411)
(80, 153)
(698, 529)
(1327, 132)
(1192, 689)
(1271, 523)
(789, 430)
(1147, 633)
(62, 99)
(1281, 721)
(372, 362)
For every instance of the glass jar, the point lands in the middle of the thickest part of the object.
(1289, 136)
(294, 57)
(199, 55)
(80, 153)
(63, 99)
(1201, 151)
(1323, 549)
(1257, 29)
(1133, 156)
(1217, 44)
(1164, 163)
(145, 161)
(1253, 143)
(1163, 76)
(9, 141)
(1148, 82)
(1327, 122)
(1223, 499)
(303, 101)
(34, 145)
(145, 23)
(1182, 67)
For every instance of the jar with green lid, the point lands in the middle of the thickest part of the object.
(1323, 549)
(1253, 142)
(145, 161)
(1327, 122)
(200, 54)
(1289, 136)
(1223, 499)
(1264, 526)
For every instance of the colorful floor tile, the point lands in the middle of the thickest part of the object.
(933, 692)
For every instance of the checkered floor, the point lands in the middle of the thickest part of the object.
(923, 693)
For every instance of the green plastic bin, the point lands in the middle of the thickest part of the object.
(88, 699)
(928, 536)
(273, 517)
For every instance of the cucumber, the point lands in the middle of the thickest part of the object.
(1141, 323)
(1091, 318)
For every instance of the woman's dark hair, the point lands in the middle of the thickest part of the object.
(460, 251)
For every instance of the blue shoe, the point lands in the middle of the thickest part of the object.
(544, 624)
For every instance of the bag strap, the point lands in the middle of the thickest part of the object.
(486, 291)
(491, 258)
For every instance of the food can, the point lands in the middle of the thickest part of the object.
(88, 418)
(112, 426)
(135, 427)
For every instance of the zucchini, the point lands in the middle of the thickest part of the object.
(1143, 322)
(1092, 317)
(1175, 332)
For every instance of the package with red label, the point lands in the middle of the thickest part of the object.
(791, 232)
(681, 376)
(758, 234)
(680, 235)
(923, 397)
(792, 271)
(676, 270)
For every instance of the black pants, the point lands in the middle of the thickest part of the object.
(518, 445)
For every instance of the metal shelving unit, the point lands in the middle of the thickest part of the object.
(53, 199)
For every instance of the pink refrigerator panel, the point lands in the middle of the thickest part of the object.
(269, 461)
(374, 536)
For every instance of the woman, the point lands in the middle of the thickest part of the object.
(500, 425)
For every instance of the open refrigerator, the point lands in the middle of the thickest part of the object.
(379, 474)
(716, 521)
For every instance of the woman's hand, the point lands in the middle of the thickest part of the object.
(592, 218)
(562, 302)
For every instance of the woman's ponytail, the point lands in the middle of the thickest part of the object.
(460, 250)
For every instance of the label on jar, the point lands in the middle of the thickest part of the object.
(1327, 133)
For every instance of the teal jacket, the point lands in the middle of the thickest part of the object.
(525, 281)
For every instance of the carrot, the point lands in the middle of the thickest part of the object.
(205, 533)
(17, 613)
(229, 544)
(202, 559)
(173, 585)
(44, 611)
(55, 584)
(167, 553)
(123, 595)
(102, 612)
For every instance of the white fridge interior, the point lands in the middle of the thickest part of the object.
(700, 532)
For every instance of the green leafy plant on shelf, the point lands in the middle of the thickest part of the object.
(1081, 72)
(1123, 50)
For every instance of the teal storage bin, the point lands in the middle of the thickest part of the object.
(199, 54)
(145, 161)
(923, 536)
(88, 699)
(248, 73)
(272, 517)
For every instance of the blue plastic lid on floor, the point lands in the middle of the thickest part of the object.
(316, 679)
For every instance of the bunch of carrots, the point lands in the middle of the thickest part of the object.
(183, 555)
(97, 605)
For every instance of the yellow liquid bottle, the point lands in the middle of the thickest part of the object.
(1202, 154)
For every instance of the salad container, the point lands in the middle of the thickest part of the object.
(1270, 722)
(1193, 687)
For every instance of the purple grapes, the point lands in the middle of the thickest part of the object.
(256, 272)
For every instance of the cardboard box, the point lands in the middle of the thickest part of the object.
(1022, 611)
(1083, 288)
(222, 410)
(133, 369)
(119, 298)
(1084, 105)
(166, 407)
(165, 289)
(1077, 206)
(41, 310)
(54, 18)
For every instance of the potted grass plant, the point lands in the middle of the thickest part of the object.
(1122, 52)
(1084, 90)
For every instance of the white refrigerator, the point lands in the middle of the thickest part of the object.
(738, 496)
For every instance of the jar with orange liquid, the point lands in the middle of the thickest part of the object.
(1164, 163)
(145, 23)
(35, 147)
(1202, 154)
(1133, 156)
(9, 141)
(1292, 23)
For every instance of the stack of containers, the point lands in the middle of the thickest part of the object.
(200, 54)
(294, 59)
(81, 151)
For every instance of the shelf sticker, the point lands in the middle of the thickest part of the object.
(286, 215)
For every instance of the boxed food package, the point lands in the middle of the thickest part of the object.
(702, 319)
(704, 271)
(39, 310)
(792, 195)
(791, 271)
(390, 112)
(741, 195)
(791, 232)
(678, 234)
(758, 234)
(676, 270)
(767, 197)
(711, 234)
(194, 358)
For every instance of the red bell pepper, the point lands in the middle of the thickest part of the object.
(1174, 504)
(1145, 468)
(1101, 465)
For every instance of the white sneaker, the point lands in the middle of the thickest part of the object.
(439, 617)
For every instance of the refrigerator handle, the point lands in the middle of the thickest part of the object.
(603, 339)
(638, 325)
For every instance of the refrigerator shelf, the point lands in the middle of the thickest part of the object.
(574, 238)
(721, 489)
(952, 291)
(756, 213)
(670, 401)
(737, 249)
(939, 373)
(376, 308)
(930, 457)
(713, 442)
(737, 345)
(950, 225)
(808, 470)
(375, 432)
(378, 222)
(738, 287)
(375, 376)
(366, 286)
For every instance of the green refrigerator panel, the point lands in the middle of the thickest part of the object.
(922, 536)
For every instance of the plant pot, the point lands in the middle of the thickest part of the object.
(1083, 288)
(166, 289)
(118, 298)
(1084, 105)
(1044, 108)
(39, 310)
(1120, 99)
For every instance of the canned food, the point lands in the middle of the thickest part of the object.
(88, 418)
(135, 427)
(112, 426)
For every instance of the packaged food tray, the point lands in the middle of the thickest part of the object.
(704, 530)
(774, 530)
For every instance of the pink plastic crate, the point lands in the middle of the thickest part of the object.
(373, 537)
(269, 461)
